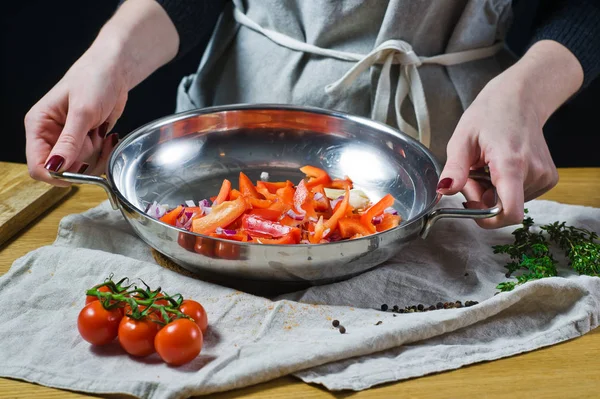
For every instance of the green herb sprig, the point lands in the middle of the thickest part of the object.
(530, 252)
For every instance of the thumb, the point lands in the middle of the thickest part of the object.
(461, 155)
(69, 143)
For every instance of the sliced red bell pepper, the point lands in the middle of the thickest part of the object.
(388, 221)
(269, 214)
(259, 203)
(317, 176)
(272, 187)
(240, 235)
(266, 193)
(322, 204)
(223, 193)
(349, 227)
(367, 218)
(341, 184)
(317, 235)
(234, 194)
(293, 237)
(303, 201)
(340, 212)
(220, 216)
(247, 188)
(255, 224)
(171, 216)
(286, 194)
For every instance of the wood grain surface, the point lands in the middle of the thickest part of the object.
(23, 199)
(567, 370)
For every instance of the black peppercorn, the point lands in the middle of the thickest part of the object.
(395, 308)
(336, 323)
(394, 315)
(458, 304)
(384, 307)
(420, 307)
(379, 322)
(440, 305)
(401, 311)
(342, 330)
(413, 307)
(431, 307)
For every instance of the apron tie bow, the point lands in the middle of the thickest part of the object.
(409, 85)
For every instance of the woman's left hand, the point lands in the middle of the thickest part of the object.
(503, 130)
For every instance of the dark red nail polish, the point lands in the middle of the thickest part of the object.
(114, 138)
(83, 168)
(444, 184)
(103, 129)
(54, 163)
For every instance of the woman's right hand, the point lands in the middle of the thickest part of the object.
(67, 130)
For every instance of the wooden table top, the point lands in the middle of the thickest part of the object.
(566, 370)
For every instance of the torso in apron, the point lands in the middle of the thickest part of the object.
(242, 64)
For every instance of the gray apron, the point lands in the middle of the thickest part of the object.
(413, 64)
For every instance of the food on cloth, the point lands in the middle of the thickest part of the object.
(144, 321)
(319, 209)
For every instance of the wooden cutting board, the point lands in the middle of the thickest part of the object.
(23, 199)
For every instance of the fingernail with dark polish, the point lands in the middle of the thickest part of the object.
(444, 184)
(54, 163)
(83, 168)
(103, 129)
(114, 139)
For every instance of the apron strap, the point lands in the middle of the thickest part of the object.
(388, 53)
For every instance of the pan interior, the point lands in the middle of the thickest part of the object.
(188, 156)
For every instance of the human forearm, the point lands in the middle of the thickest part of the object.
(137, 40)
(548, 75)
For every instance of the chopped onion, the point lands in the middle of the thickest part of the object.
(318, 196)
(226, 232)
(205, 206)
(377, 219)
(327, 231)
(190, 203)
(304, 242)
(336, 201)
(313, 219)
(294, 215)
(264, 176)
(156, 210)
(391, 211)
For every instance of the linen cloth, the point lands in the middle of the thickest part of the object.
(252, 339)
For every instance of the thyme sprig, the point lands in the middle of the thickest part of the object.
(530, 252)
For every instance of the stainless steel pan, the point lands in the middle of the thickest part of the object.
(187, 156)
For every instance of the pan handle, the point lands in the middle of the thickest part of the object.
(441, 213)
(88, 179)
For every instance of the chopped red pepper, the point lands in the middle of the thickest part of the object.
(220, 216)
(255, 224)
(223, 193)
(342, 207)
(247, 188)
(367, 218)
(317, 176)
(349, 227)
(171, 217)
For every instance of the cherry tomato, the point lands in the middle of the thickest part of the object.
(179, 342)
(97, 325)
(137, 336)
(92, 298)
(196, 311)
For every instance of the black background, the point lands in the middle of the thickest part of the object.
(40, 40)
